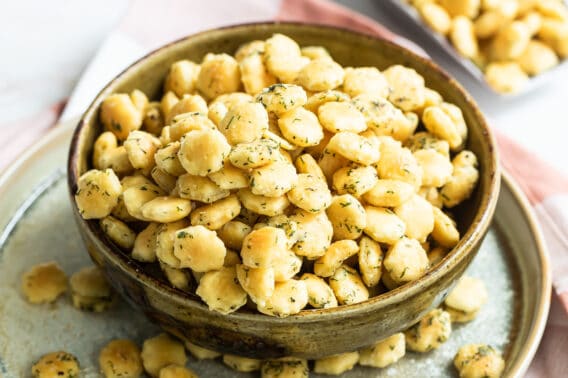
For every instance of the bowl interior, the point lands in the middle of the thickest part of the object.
(347, 48)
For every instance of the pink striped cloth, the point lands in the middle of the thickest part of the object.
(546, 189)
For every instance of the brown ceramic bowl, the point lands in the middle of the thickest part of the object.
(311, 333)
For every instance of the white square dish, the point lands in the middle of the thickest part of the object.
(408, 12)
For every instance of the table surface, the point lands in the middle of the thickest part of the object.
(533, 119)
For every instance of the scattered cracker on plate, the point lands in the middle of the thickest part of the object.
(44, 283)
(479, 360)
(56, 365)
(90, 290)
(120, 358)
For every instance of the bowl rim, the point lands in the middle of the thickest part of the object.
(479, 225)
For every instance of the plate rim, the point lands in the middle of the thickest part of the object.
(64, 131)
(534, 338)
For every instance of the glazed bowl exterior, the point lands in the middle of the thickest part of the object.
(311, 333)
